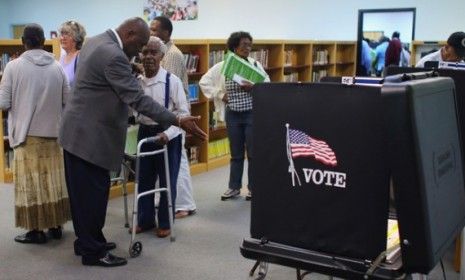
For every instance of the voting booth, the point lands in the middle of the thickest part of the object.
(324, 154)
(456, 71)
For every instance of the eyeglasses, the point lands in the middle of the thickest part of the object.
(245, 45)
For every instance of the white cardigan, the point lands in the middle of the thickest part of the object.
(212, 85)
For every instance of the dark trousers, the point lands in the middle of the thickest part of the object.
(239, 127)
(88, 189)
(151, 168)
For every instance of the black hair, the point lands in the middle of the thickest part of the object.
(165, 24)
(33, 36)
(235, 39)
(384, 39)
(457, 41)
(396, 34)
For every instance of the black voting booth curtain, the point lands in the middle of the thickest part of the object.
(321, 183)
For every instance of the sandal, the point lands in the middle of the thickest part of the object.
(184, 213)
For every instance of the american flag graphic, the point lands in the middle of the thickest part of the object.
(302, 145)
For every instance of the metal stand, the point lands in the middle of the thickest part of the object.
(262, 270)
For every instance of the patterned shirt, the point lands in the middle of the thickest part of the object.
(238, 99)
(173, 62)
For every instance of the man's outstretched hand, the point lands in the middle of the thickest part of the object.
(188, 123)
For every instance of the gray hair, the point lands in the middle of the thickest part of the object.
(155, 39)
(75, 30)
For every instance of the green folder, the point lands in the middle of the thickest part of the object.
(131, 140)
(237, 69)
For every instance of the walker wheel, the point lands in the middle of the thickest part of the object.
(135, 249)
(172, 238)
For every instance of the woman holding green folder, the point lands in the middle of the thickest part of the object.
(233, 102)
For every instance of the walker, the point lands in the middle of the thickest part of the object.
(135, 247)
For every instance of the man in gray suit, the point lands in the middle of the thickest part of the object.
(93, 131)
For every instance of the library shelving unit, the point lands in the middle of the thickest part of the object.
(13, 48)
(297, 61)
(323, 61)
(216, 131)
(197, 48)
(346, 52)
(421, 48)
(283, 60)
(273, 60)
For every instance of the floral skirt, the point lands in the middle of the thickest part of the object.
(41, 197)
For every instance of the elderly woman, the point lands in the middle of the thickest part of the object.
(33, 89)
(238, 111)
(72, 36)
(166, 89)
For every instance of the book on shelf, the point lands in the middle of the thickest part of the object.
(214, 120)
(239, 70)
(289, 58)
(5, 127)
(317, 75)
(218, 148)
(5, 58)
(193, 92)
(8, 157)
(261, 56)
(215, 57)
(291, 78)
(191, 61)
(193, 154)
(321, 57)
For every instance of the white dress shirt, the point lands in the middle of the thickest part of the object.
(155, 88)
(435, 56)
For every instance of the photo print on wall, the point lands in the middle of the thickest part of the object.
(173, 9)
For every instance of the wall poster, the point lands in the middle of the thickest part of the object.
(173, 9)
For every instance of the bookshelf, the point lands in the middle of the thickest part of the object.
(197, 150)
(283, 60)
(346, 52)
(421, 48)
(10, 49)
(323, 60)
(272, 57)
(297, 61)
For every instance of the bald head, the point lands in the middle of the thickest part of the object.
(134, 33)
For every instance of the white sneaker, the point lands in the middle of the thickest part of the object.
(230, 193)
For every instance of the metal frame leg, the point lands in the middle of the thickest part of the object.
(125, 172)
(262, 270)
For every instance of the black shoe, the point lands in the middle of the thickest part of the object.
(32, 237)
(108, 247)
(55, 233)
(108, 260)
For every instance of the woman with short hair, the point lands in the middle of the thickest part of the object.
(72, 35)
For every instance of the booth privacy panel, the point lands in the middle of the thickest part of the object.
(320, 183)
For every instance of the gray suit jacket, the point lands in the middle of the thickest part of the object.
(94, 121)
